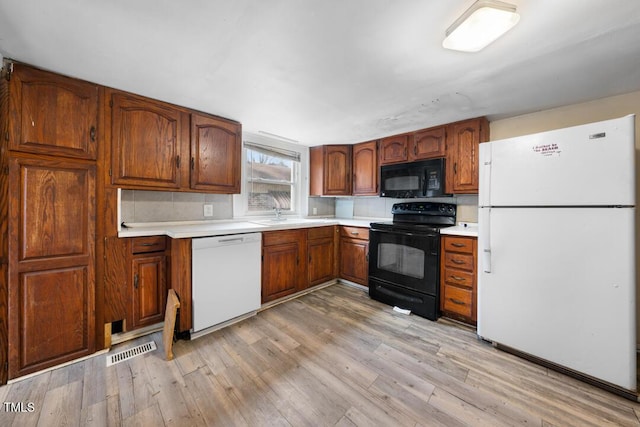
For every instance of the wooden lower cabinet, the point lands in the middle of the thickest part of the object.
(458, 294)
(321, 253)
(283, 266)
(354, 254)
(149, 278)
(136, 280)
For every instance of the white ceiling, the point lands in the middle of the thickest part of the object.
(331, 71)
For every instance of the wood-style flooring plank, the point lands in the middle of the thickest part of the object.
(331, 357)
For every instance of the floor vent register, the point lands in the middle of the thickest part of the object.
(130, 353)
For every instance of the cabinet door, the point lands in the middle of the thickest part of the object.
(321, 261)
(365, 169)
(51, 263)
(354, 260)
(146, 142)
(393, 149)
(149, 289)
(280, 270)
(337, 170)
(52, 114)
(215, 154)
(463, 142)
(428, 144)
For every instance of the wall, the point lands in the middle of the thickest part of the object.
(577, 114)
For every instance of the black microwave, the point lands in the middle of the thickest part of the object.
(413, 180)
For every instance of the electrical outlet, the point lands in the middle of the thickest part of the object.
(208, 210)
(315, 211)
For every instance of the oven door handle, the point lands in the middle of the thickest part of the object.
(404, 233)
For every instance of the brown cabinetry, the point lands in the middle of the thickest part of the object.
(365, 169)
(135, 280)
(458, 296)
(215, 154)
(330, 167)
(394, 149)
(321, 253)
(463, 143)
(161, 146)
(428, 144)
(147, 140)
(52, 114)
(283, 263)
(354, 254)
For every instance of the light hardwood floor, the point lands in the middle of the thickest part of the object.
(332, 357)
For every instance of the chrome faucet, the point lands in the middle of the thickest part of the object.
(278, 212)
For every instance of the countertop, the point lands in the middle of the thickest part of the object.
(469, 229)
(189, 229)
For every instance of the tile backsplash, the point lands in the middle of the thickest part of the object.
(157, 206)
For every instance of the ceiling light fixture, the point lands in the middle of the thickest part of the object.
(480, 25)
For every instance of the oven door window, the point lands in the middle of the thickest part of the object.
(400, 259)
(405, 259)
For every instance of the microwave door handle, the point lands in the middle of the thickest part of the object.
(424, 184)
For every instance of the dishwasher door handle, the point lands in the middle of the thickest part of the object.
(232, 240)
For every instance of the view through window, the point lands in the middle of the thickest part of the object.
(272, 176)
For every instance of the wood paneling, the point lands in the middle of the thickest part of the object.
(180, 273)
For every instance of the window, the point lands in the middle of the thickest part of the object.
(271, 179)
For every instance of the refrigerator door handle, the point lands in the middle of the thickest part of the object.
(485, 238)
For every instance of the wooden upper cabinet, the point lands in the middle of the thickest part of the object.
(463, 143)
(394, 149)
(51, 114)
(147, 142)
(330, 173)
(215, 154)
(365, 169)
(428, 144)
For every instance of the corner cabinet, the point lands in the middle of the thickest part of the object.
(463, 143)
(155, 145)
(330, 170)
(458, 293)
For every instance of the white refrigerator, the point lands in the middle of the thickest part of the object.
(556, 248)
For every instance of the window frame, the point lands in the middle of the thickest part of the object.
(299, 188)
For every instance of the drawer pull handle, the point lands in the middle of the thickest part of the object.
(149, 244)
(457, 278)
(355, 233)
(458, 245)
(456, 301)
(457, 261)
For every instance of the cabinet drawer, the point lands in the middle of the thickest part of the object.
(270, 238)
(458, 277)
(148, 244)
(459, 244)
(354, 232)
(457, 300)
(320, 232)
(461, 261)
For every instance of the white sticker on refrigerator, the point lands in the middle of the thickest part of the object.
(547, 149)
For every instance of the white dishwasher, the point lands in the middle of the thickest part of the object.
(225, 277)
